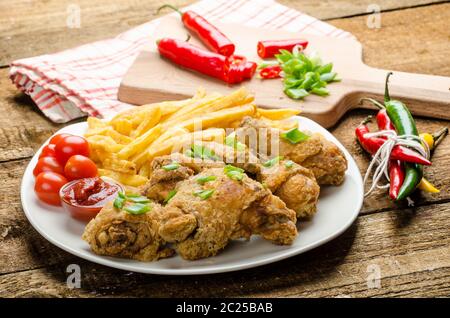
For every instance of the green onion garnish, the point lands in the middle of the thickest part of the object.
(138, 198)
(294, 136)
(231, 141)
(289, 164)
(200, 151)
(203, 194)
(137, 208)
(272, 162)
(119, 201)
(171, 166)
(170, 196)
(204, 179)
(233, 172)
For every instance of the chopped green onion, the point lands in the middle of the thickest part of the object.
(119, 201)
(231, 141)
(170, 196)
(200, 151)
(203, 194)
(204, 179)
(289, 164)
(270, 163)
(294, 136)
(171, 166)
(296, 93)
(137, 208)
(138, 198)
(305, 74)
(233, 172)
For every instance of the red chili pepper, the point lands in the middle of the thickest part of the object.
(208, 33)
(383, 121)
(270, 72)
(396, 176)
(372, 144)
(396, 169)
(269, 48)
(233, 69)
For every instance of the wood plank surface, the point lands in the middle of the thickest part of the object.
(409, 244)
(409, 248)
(39, 27)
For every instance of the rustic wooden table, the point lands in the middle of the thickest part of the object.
(408, 247)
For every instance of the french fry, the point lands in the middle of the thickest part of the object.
(123, 126)
(140, 143)
(145, 170)
(109, 131)
(105, 143)
(150, 119)
(220, 119)
(278, 114)
(174, 144)
(94, 123)
(119, 165)
(126, 179)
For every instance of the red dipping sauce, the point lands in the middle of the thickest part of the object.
(84, 198)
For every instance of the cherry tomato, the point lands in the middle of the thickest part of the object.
(56, 138)
(69, 146)
(48, 164)
(78, 167)
(48, 151)
(47, 187)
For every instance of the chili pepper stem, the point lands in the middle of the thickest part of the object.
(366, 120)
(170, 7)
(386, 88)
(439, 136)
(373, 101)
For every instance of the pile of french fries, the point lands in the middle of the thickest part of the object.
(124, 147)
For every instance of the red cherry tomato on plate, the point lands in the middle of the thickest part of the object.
(48, 164)
(56, 138)
(70, 146)
(48, 151)
(47, 187)
(78, 167)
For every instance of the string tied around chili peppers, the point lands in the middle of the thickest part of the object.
(380, 160)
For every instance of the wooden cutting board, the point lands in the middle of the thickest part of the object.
(152, 78)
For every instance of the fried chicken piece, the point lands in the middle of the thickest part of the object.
(323, 157)
(163, 181)
(201, 227)
(114, 232)
(293, 184)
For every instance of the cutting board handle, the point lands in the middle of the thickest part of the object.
(411, 88)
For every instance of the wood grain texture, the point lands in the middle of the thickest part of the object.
(409, 244)
(409, 247)
(41, 25)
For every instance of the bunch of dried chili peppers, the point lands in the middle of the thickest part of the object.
(397, 149)
(219, 63)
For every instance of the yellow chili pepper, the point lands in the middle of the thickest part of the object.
(426, 186)
(428, 138)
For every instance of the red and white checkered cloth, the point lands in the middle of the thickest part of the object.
(85, 80)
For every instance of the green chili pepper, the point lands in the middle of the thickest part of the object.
(405, 125)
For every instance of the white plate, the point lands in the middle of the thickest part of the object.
(337, 209)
